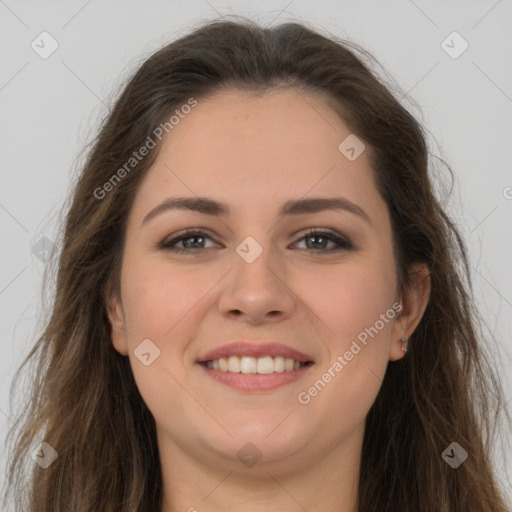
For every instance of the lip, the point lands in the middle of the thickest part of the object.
(255, 382)
(244, 348)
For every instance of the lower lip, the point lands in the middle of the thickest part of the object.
(255, 381)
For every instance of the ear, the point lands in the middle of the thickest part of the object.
(414, 301)
(116, 316)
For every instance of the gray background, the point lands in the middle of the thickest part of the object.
(50, 109)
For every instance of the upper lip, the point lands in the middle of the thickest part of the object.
(248, 349)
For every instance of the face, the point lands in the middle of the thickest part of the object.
(256, 274)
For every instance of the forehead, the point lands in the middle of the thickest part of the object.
(247, 149)
(283, 124)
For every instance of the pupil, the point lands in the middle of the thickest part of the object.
(316, 237)
(186, 241)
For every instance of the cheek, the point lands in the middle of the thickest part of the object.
(158, 298)
(159, 304)
(355, 302)
(170, 403)
(349, 298)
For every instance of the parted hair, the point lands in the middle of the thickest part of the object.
(82, 398)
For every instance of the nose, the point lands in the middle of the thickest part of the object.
(257, 292)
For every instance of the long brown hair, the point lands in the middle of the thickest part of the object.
(83, 400)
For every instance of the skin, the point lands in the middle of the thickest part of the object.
(254, 153)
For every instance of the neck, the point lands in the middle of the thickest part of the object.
(192, 483)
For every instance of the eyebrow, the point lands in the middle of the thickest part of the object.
(208, 206)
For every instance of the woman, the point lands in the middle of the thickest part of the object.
(260, 302)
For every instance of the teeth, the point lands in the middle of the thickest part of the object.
(250, 365)
(265, 365)
(234, 364)
(279, 364)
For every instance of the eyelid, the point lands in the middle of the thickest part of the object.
(185, 233)
(343, 243)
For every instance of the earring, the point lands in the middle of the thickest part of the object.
(404, 341)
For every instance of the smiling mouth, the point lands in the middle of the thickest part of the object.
(255, 365)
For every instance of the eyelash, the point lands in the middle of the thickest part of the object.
(169, 245)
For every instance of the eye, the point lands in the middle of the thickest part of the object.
(195, 236)
(322, 238)
(193, 240)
